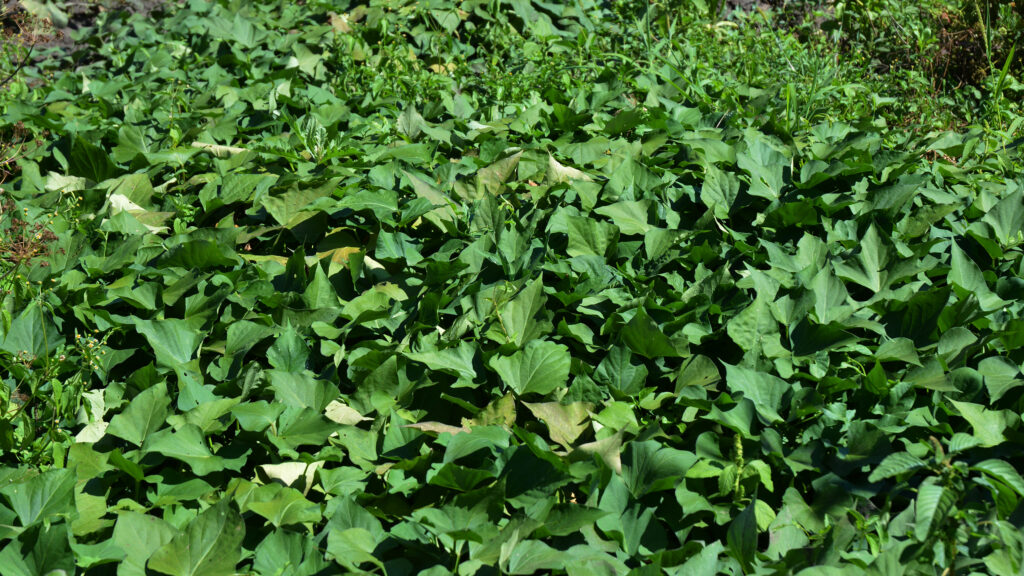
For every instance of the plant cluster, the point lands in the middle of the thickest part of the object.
(503, 286)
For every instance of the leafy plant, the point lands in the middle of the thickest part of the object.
(467, 287)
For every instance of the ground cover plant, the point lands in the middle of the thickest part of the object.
(511, 287)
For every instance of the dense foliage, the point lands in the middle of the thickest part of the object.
(509, 286)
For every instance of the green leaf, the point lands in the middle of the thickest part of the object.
(288, 209)
(649, 467)
(257, 416)
(720, 191)
(765, 165)
(187, 444)
(590, 237)
(144, 415)
(584, 560)
(518, 317)
(967, 275)
(609, 450)
(763, 389)
(933, 504)
(557, 173)
(742, 536)
(211, 545)
(199, 254)
(785, 533)
(244, 187)
(492, 179)
(397, 247)
(619, 373)
(644, 337)
(289, 351)
(1000, 376)
(629, 216)
(456, 477)
(764, 514)
(457, 360)
(697, 370)
(566, 519)
(410, 122)
(895, 464)
(283, 506)
(90, 161)
(954, 340)
(131, 142)
(630, 177)
(830, 297)
(869, 270)
(531, 556)
(539, 368)
(901, 349)
(1007, 217)
(43, 551)
(174, 342)
(140, 535)
(500, 412)
(988, 425)
(383, 203)
(33, 333)
(43, 496)
(753, 326)
(1002, 471)
(847, 570)
(302, 427)
(288, 553)
(352, 548)
(704, 562)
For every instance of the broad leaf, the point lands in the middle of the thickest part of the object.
(209, 546)
(539, 368)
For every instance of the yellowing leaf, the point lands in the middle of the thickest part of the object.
(565, 422)
(609, 449)
(558, 172)
(288, 473)
(344, 414)
(437, 428)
